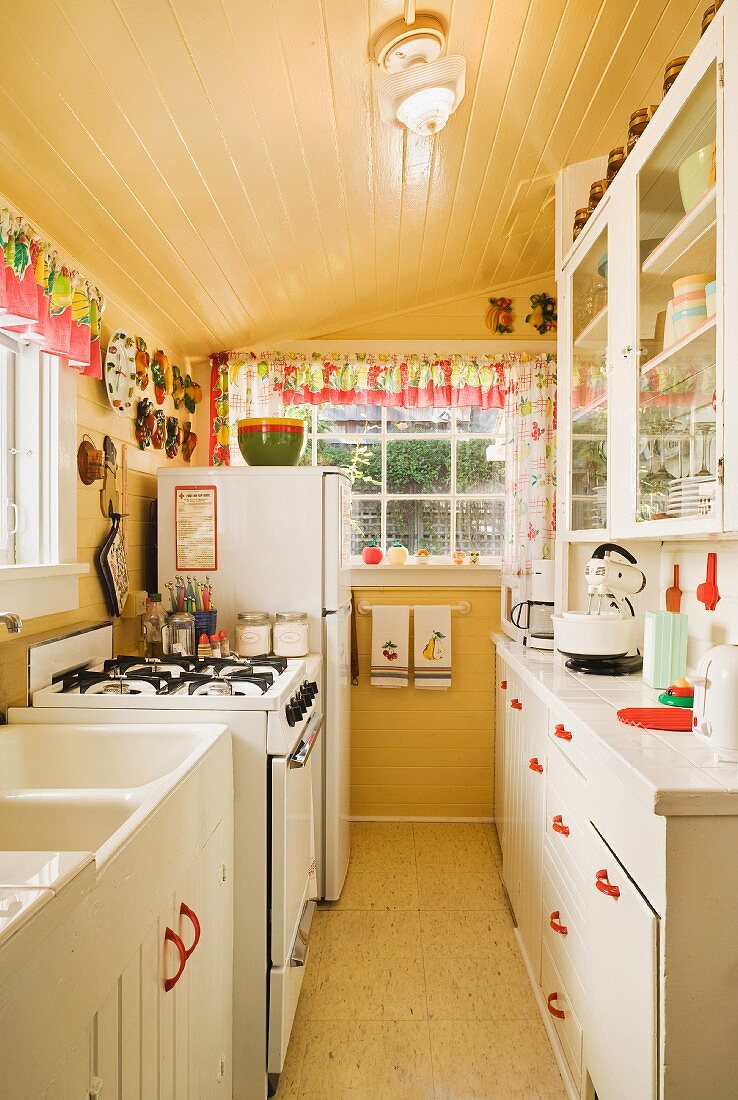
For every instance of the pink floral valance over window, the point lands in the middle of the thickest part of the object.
(264, 383)
(44, 301)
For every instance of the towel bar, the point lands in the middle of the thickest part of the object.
(365, 608)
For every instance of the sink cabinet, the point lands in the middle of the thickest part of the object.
(623, 915)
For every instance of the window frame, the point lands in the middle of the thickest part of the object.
(386, 434)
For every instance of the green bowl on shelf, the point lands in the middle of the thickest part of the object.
(271, 440)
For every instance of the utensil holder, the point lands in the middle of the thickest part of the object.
(205, 623)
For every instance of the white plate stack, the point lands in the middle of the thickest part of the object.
(691, 496)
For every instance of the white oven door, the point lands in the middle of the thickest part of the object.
(293, 840)
(285, 983)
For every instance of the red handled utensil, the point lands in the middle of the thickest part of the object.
(707, 592)
(674, 594)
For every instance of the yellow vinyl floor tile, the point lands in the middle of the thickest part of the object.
(415, 988)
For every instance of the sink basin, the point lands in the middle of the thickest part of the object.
(60, 757)
(63, 823)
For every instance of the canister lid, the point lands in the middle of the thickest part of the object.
(291, 616)
(180, 617)
(255, 618)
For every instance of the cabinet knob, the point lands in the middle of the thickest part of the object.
(627, 350)
(557, 1012)
(606, 887)
(558, 826)
(171, 936)
(535, 765)
(561, 733)
(555, 921)
(503, 685)
(185, 911)
(516, 704)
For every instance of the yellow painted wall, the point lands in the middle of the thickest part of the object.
(454, 319)
(420, 753)
(96, 418)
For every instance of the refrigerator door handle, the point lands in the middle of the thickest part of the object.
(341, 613)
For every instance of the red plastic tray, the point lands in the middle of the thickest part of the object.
(671, 719)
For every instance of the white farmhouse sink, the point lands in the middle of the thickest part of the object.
(58, 757)
(89, 788)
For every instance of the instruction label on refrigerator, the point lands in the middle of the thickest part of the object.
(195, 527)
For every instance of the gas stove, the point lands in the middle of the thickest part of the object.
(176, 676)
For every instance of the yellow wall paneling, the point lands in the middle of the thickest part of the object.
(427, 754)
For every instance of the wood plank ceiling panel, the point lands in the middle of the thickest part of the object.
(221, 169)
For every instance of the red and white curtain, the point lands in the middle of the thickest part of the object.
(45, 301)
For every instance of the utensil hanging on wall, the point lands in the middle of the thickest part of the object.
(674, 594)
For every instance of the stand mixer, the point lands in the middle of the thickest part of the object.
(602, 639)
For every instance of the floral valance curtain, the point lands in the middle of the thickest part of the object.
(46, 302)
(262, 384)
(530, 465)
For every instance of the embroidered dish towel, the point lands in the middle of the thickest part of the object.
(390, 633)
(432, 646)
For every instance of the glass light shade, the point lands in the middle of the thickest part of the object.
(427, 111)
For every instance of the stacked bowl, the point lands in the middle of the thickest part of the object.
(690, 304)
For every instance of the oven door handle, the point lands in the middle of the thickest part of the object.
(300, 949)
(301, 755)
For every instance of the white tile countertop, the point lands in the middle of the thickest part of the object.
(672, 773)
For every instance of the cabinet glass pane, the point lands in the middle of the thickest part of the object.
(677, 306)
(589, 390)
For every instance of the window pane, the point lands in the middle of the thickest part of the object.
(480, 525)
(419, 466)
(418, 420)
(349, 419)
(475, 473)
(419, 523)
(366, 524)
(362, 459)
(482, 421)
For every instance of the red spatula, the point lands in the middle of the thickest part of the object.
(674, 594)
(671, 719)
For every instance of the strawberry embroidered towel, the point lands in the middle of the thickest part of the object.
(390, 649)
(432, 646)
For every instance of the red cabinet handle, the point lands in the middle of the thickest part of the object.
(172, 937)
(503, 685)
(562, 733)
(606, 887)
(554, 921)
(516, 704)
(558, 826)
(185, 911)
(554, 1011)
(535, 765)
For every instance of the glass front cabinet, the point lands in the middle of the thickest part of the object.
(648, 384)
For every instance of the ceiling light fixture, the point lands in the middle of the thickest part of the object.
(422, 89)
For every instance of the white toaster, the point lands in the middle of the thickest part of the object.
(715, 713)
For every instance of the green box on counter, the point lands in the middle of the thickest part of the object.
(664, 648)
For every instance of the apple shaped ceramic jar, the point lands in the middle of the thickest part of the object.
(372, 554)
(397, 553)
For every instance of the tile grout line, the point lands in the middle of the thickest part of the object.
(425, 978)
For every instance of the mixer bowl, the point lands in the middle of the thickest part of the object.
(579, 635)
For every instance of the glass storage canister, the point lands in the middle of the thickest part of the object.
(179, 634)
(253, 634)
(291, 634)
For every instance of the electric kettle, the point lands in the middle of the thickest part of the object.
(715, 711)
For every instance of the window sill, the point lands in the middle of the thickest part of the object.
(433, 575)
(32, 591)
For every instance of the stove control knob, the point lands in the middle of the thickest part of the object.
(313, 688)
(289, 714)
(306, 694)
(301, 704)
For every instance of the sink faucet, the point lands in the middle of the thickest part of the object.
(11, 621)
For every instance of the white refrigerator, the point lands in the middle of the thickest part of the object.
(277, 539)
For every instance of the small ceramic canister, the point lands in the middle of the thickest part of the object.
(707, 18)
(397, 553)
(615, 161)
(474, 557)
(596, 191)
(672, 71)
(422, 556)
(580, 220)
(459, 557)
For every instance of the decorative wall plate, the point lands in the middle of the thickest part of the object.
(119, 373)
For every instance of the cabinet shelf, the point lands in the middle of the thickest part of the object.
(594, 334)
(599, 402)
(700, 342)
(691, 244)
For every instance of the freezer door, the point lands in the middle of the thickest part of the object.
(337, 750)
(336, 541)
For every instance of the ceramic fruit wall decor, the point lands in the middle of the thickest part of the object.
(142, 363)
(499, 317)
(189, 441)
(542, 315)
(145, 422)
(178, 386)
(192, 393)
(372, 554)
(160, 429)
(120, 372)
(171, 445)
(161, 372)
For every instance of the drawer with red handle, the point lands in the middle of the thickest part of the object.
(566, 833)
(561, 1012)
(569, 781)
(563, 927)
(571, 740)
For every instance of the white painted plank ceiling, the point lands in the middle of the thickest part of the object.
(219, 166)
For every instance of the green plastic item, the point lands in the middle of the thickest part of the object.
(676, 700)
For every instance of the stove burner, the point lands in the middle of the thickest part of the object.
(101, 683)
(243, 684)
(173, 666)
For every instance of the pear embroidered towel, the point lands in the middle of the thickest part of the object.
(390, 648)
(432, 646)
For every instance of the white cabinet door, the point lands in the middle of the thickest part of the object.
(533, 767)
(500, 737)
(513, 790)
(621, 939)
